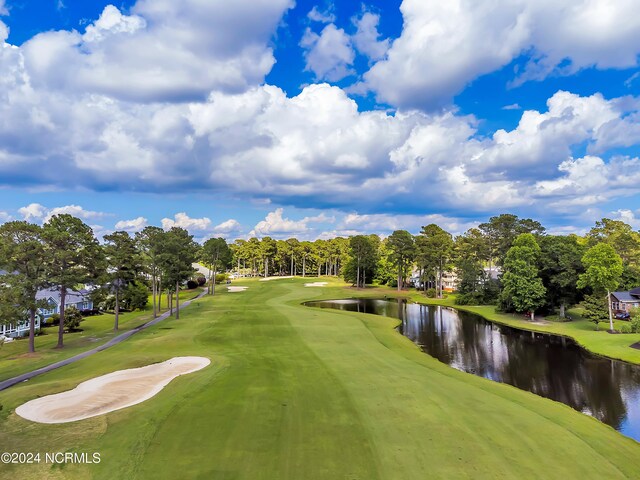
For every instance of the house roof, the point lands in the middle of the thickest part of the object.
(625, 297)
(72, 295)
(635, 292)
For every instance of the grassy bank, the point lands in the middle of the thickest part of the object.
(300, 393)
(96, 330)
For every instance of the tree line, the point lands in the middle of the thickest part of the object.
(508, 261)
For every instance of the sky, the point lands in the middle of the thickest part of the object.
(318, 118)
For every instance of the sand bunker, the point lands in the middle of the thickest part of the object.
(316, 284)
(274, 278)
(236, 289)
(110, 392)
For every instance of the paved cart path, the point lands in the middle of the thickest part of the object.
(114, 341)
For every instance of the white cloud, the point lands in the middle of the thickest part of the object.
(367, 39)
(446, 45)
(229, 226)
(134, 225)
(513, 106)
(628, 216)
(184, 221)
(387, 223)
(326, 16)
(276, 225)
(328, 55)
(33, 212)
(5, 217)
(149, 55)
(74, 210)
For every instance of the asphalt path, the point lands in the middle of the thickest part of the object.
(114, 341)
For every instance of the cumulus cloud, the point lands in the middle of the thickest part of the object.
(183, 220)
(134, 225)
(149, 55)
(275, 224)
(367, 39)
(5, 217)
(446, 45)
(227, 227)
(329, 55)
(36, 212)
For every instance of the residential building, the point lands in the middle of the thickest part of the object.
(625, 301)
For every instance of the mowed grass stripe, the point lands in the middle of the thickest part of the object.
(301, 393)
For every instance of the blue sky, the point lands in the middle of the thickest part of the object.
(319, 118)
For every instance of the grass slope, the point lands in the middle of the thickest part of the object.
(300, 393)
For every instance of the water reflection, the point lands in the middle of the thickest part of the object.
(547, 365)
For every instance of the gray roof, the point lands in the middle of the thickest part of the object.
(625, 297)
(72, 295)
(635, 292)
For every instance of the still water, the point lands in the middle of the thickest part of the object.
(547, 365)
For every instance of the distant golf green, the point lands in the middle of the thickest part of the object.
(301, 393)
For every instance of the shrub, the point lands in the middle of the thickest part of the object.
(191, 284)
(72, 319)
(626, 328)
(53, 319)
(221, 278)
(431, 292)
(135, 296)
(201, 281)
(472, 298)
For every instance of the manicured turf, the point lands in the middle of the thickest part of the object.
(96, 330)
(300, 393)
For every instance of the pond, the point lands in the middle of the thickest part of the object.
(548, 365)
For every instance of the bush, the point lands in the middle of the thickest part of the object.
(221, 278)
(430, 293)
(135, 296)
(626, 328)
(472, 298)
(53, 319)
(201, 281)
(191, 284)
(72, 319)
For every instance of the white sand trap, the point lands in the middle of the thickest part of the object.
(109, 392)
(236, 289)
(274, 278)
(316, 284)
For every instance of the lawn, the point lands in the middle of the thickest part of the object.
(301, 393)
(96, 330)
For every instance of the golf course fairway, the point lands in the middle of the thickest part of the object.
(299, 393)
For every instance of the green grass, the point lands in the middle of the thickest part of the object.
(96, 330)
(301, 393)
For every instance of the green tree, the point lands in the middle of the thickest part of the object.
(176, 260)
(560, 268)
(123, 264)
(215, 253)
(363, 251)
(500, 232)
(73, 255)
(434, 247)
(22, 253)
(522, 287)
(603, 270)
(470, 251)
(402, 251)
(268, 248)
(149, 242)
